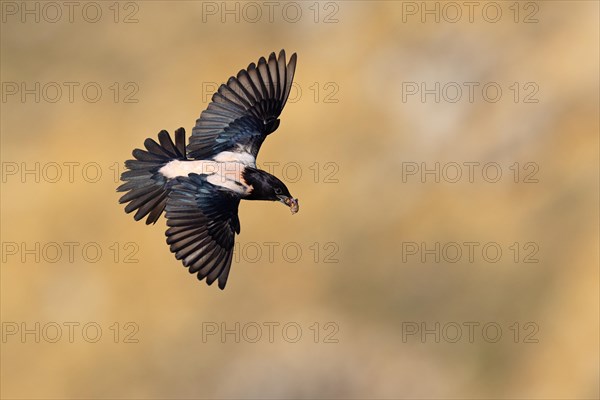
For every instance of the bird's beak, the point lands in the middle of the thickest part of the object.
(290, 202)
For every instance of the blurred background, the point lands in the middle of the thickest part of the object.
(413, 270)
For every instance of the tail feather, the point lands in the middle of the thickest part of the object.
(146, 188)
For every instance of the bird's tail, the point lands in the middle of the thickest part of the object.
(147, 189)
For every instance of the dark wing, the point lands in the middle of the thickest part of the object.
(203, 221)
(245, 110)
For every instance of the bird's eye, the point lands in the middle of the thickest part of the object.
(277, 191)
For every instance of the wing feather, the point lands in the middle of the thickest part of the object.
(203, 221)
(245, 109)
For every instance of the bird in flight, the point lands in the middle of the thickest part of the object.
(200, 184)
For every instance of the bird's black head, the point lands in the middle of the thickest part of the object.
(268, 187)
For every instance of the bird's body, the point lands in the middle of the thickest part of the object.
(200, 184)
(227, 173)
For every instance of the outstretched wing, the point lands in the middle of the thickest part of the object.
(245, 110)
(203, 221)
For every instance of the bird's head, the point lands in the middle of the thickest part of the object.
(268, 187)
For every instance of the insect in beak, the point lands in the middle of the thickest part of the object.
(290, 202)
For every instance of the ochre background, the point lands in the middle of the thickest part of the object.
(369, 133)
